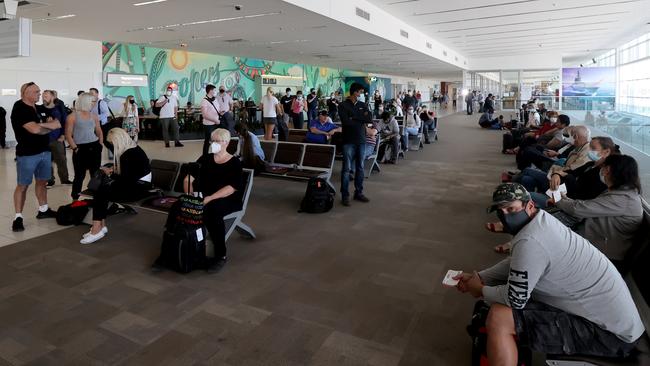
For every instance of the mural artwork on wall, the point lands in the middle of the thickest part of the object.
(192, 71)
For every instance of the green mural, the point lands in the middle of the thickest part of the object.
(192, 71)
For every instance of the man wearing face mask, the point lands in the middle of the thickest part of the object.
(556, 293)
(286, 102)
(224, 105)
(312, 105)
(210, 112)
(355, 115)
(168, 104)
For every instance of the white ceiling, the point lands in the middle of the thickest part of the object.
(288, 33)
(578, 29)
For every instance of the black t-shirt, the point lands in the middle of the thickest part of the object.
(28, 143)
(354, 117)
(134, 165)
(286, 103)
(314, 102)
(213, 177)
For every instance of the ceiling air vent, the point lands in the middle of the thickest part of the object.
(363, 14)
(404, 33)
(429, 45)
(444, 53)
(236, 40)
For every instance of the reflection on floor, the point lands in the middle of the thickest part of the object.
(356, 286)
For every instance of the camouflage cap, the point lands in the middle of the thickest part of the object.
(506, 193)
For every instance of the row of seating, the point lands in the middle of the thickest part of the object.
(298, 160)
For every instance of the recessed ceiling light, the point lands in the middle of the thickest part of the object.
(54, 18)
(149, 2)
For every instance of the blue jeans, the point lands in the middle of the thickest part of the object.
(540, 199)
(312, 114)
(38, 166)
(353, 154)
(534, 180)
(409, 131)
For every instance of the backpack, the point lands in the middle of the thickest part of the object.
(183, 245)
(478, 332)
(319, 197)
(72, 213)
(156, 110)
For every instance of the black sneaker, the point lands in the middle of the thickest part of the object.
(51, 182)
(49, 214)
(18, 224)
(178, 144)
(345, 201)
(158, 266)
(67, 182)
(361, 198)
(217, 265)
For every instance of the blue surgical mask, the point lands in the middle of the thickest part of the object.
(362, 98)
(593, 155)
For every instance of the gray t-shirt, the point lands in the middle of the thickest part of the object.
(558, 267)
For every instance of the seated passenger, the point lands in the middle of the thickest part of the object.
(389, 135)
(429, 122)
(322, 129)
(537, 180)
(584, 182)
(581, 303)
(613, 218)
(250, 149)
(371, 138)
(412, 124)
(219, 180)
(131, 175)
(488, 120)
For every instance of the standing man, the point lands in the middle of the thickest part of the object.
(469, 101)
(50, 109)
(102, 110)
(312, 106)
(333, 107)
(33, 157)
(3, 128)
(355, 115)
(210, 114)
(168, 104)
(224, 104)
(283, 123)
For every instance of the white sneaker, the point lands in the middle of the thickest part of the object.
(92, 238)
(104, 230)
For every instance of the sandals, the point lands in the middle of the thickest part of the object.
(503, 248)
(495, 227)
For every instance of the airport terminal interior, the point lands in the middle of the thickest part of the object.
(325, 182)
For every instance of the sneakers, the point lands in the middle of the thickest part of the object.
(217, 265)
(103, 230)
(361, 198)
(51, 182)
(345, 201)
(68, 181)
(91, 238)
(49, 214)
(178, 144)
(17, 225)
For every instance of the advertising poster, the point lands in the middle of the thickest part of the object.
(589, 82)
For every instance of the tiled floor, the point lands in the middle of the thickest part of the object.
(355, 286)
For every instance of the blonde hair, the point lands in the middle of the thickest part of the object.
(220, 134)
(121, 142)
(269, 91)
(85, 102)
(128, 105)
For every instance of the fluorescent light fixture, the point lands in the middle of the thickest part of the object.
(54, 18)
(149, 2)
(10, 92)
(199, 22)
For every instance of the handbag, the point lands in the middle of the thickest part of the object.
(99, 180)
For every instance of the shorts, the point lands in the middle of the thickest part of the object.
(546, 329)
(38, 166)
(269, 120)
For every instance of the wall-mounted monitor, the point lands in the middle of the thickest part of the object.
(118, 79)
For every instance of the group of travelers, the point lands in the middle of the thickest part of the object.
(562, 278)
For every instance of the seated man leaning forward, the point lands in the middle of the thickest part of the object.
(322, 129)
(556, 294)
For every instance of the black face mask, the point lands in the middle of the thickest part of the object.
(222, 91)
(132, 101)
(513, 222)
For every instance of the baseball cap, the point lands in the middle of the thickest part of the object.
(323, 113)
(506, 193)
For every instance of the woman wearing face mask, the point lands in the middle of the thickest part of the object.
(412, 124)
(131, 119)
(298, 105)
(131, 175)
(612, 219)
(219, 179)
(584, 182)
(210, 112)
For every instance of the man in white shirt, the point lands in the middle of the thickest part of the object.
(210, 113)
(168, 104)
(224, 105)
